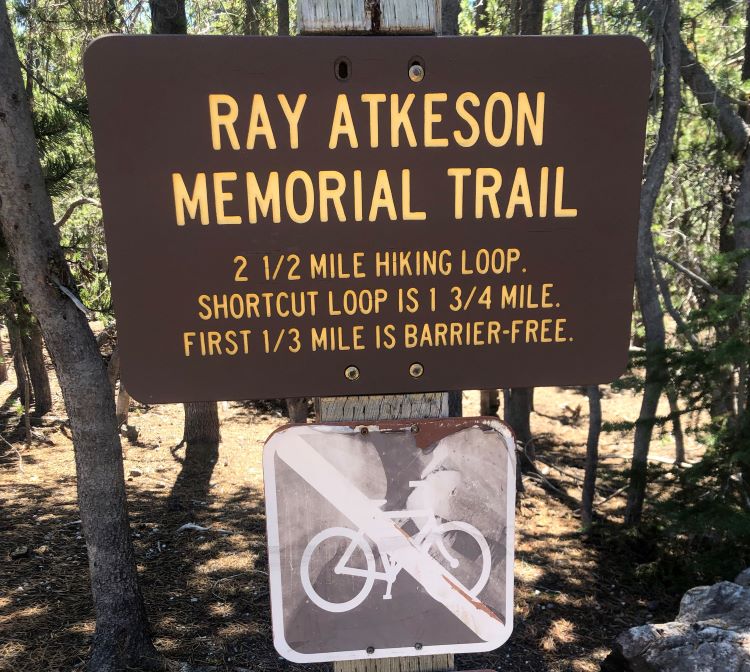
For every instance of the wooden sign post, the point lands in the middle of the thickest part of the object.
(389, 407)
(341, 16)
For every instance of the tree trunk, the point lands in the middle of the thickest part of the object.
(579, 10)
(112, 16)
(30, 50)
(455, 403)
(679, 439)
(516, 414)
(518, 401)
(122, 405)
(201, 418)
(201, 422)
(489, 402)
(592, 454)
(3, 363)
(296, 408)
(450, 12)
(282, 8)
(122, 635)
(19, 365)
(648, 295)
(168, 17)
(113, 368)
(531, 17)
(252, 17)
(37, 367)
(122, 408)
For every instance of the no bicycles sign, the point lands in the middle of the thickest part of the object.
(377, 544)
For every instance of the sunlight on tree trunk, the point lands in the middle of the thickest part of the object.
(122, 635)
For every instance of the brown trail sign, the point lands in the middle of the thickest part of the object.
(336, 215)
(390, 538)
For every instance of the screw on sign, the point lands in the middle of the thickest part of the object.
(377, 547)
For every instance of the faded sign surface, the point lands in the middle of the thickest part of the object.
(390, 539)
(299, 217)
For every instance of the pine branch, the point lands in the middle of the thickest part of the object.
(721, 106)
(83, 200)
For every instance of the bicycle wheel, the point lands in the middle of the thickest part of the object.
(451, 531)
(350, 537)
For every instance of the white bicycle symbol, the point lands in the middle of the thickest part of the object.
(430, 533)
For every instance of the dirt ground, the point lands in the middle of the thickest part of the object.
(207, 590)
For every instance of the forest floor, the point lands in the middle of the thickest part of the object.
(207, 590)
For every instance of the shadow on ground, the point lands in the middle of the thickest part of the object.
(206, 585)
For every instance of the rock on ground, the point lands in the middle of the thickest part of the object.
(711, 634)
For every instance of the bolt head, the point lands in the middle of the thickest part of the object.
(416, 370)
(416, 72)
(351, 373)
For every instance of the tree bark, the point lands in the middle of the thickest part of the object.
(455, 403)
(489, 402)
(517, 408)
(282, 8)
(746, 61)
(592, 454)
(3, 363)
(252, 17)
(451, 9)
(122, 635)
(168, 17)
(296, 408)
(19, 365)
(579, 10)
(646, 287)
(37, 367)
(516, 414)
(113, 368)
(201, 422)
(122, 408)
(679, 439)
(531, 17)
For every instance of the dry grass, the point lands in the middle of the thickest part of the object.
(206, 592)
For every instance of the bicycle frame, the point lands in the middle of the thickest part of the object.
(390, 567)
